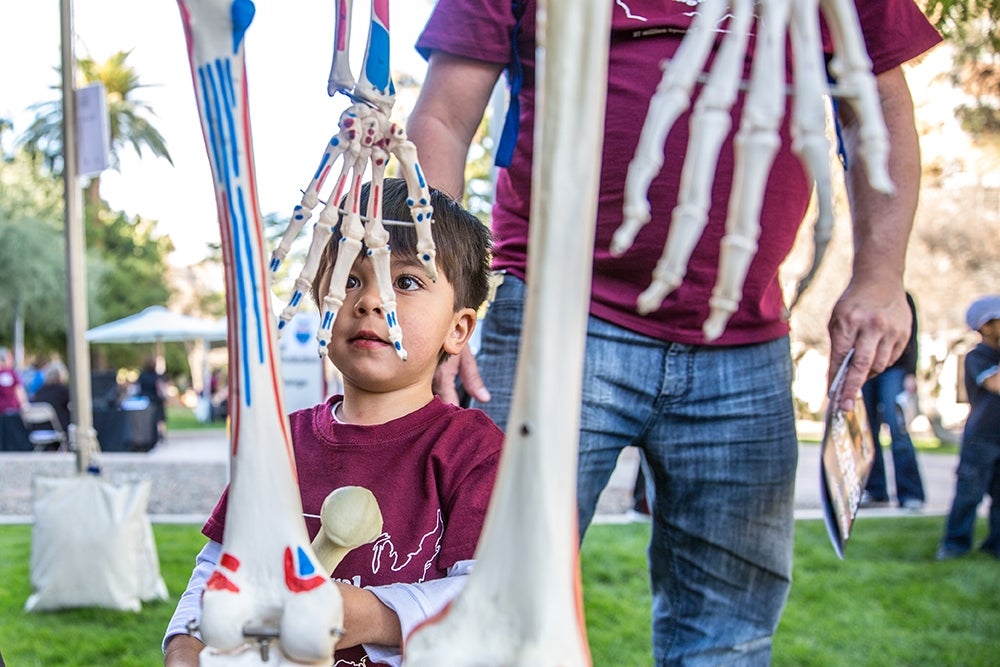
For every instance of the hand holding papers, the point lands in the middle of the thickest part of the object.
(846, 456)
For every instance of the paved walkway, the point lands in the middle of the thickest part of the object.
(190, 470)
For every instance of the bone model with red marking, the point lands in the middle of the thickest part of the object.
(269, 601)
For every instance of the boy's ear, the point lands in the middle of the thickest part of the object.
(463, 324)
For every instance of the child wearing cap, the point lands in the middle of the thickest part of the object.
(979, 463)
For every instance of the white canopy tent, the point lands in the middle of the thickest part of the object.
(158, 325)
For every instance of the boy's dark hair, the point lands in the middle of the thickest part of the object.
(464, 243)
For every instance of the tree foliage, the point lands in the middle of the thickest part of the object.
(132, 272)
(129, 118)
(32, 252)
(971, 27)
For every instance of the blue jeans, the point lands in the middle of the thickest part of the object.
(717, 429)
(880, 394)
(978, 474)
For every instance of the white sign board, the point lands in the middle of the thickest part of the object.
(93, 138)
(301, 367)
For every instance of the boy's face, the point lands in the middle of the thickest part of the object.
(991, 332)
(359, 344)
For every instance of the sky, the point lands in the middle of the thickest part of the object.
(288, 50)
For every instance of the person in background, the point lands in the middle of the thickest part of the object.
(33, 376)
(153, 386)
(979, 460)
(55, 392)
(715, 421)
(12, 393)
(882, 395)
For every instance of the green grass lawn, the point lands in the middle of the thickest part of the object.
(887, 603)
(180, 418)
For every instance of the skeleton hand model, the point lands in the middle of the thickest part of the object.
(268, 601)
(757, 139)
(366, 136)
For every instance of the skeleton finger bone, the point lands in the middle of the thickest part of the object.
(267, 588)
(352, 233)
(377, 241)
(755, 146)
(418, 196)
(339, 143)
(710, 125)
(672, 98)
(350, 144)
(853, 69)
(350, 517)
(809, 113)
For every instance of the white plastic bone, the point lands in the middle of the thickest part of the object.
(341, 76)
(350, 517)
(757, 139)
(374, 85)
(531, 614)
(853, 69)
(267, 602)
(755, 146)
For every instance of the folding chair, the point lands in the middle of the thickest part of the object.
(44, 429)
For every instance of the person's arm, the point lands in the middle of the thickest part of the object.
(366, 619)
(411, 605)
(872, 315)
(181, 649)
(445, 117)
(990, 380)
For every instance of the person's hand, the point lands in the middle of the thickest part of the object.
(464, 367)
(182, 651)
(872, 317)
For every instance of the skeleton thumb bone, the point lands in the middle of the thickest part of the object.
(350, 517)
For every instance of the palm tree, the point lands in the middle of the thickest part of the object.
(129, 121)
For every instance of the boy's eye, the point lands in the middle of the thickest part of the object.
(352, 282)
(407, 283)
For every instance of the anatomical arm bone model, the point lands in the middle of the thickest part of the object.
(269, 590)
(366, 136)
(757, 139)
(532, 614)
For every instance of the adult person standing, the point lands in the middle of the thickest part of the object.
(55, 392)
(715, 421)
(881, 394)
(153, 386)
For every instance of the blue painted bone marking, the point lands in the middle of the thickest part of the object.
(241, 14)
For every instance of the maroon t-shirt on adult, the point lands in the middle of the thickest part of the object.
(644, 32)
(432, 473)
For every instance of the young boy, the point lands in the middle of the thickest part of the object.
(430, 465)
(979, 462)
